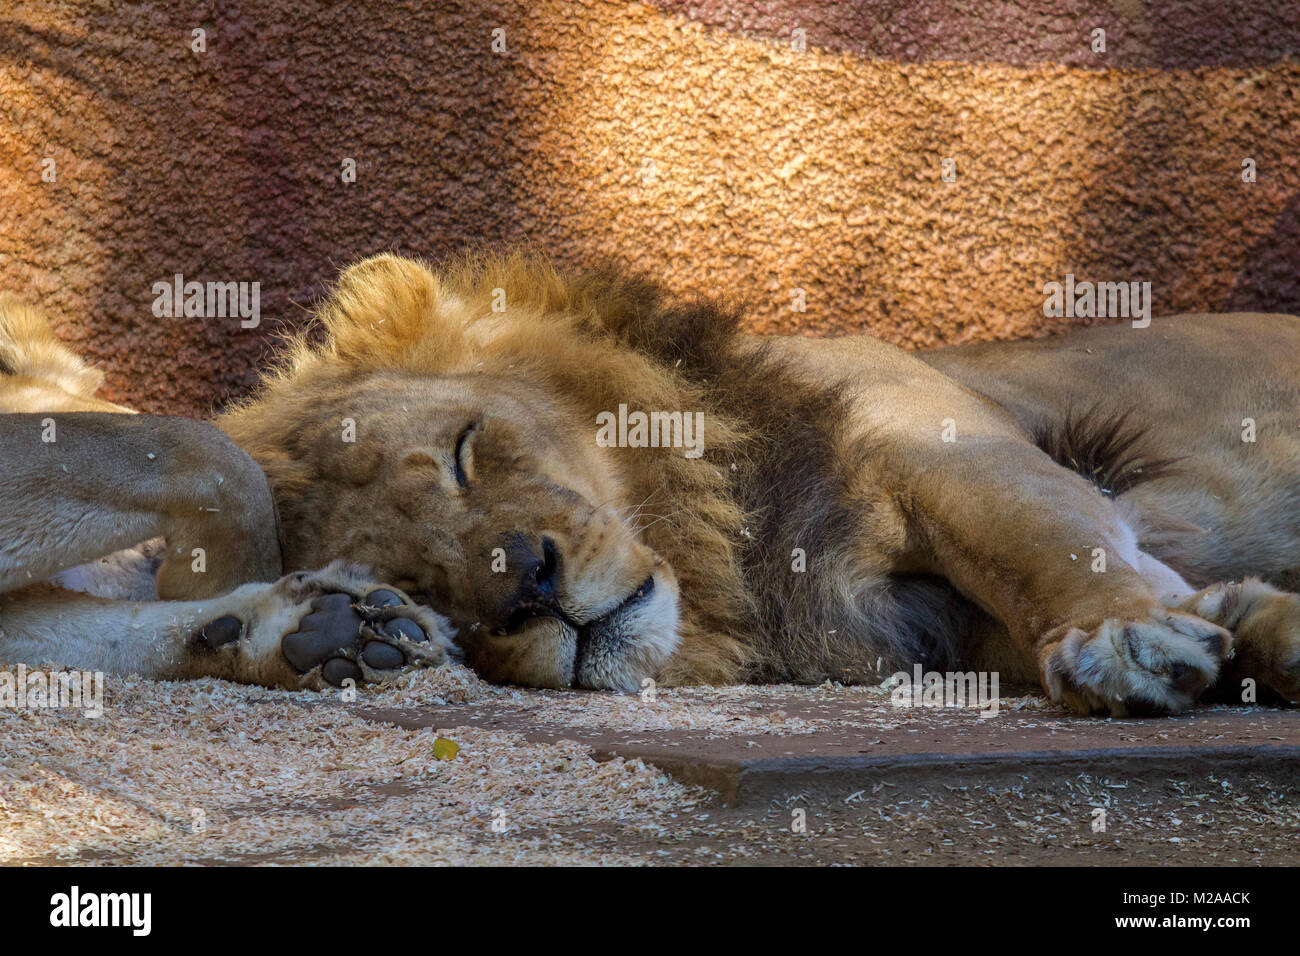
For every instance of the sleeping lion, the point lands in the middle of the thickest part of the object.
(582, 481)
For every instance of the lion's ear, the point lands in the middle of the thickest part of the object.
(386, 307)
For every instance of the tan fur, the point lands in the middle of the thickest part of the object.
(996, 523)
(439, 427)
(172, 510)
(392, 316)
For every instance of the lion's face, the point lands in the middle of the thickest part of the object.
(487, 500)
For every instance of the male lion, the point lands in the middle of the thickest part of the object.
(1084, 510)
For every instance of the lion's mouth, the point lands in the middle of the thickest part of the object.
(525, 614)
(541, 645)
(598, 643)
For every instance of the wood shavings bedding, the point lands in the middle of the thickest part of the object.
(212, 772)
(743, 708)
(207, 771)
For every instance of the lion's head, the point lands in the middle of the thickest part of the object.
(444, 433)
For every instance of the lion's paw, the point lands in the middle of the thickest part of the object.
(317, 628)
(1265, 625)
(1134, 667)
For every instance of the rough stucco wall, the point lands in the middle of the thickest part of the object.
(689, 140)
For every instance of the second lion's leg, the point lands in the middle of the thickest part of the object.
(80, 485)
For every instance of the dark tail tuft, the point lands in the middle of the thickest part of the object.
(1104, 447)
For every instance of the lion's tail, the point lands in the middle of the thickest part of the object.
(29, 348)
(1106, 447)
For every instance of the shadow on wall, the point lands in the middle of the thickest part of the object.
(1145, 34)
(1152, 216)
(818, 170)
(1143, 213)
(1148, 213)
(1270, 282)
(226, 165)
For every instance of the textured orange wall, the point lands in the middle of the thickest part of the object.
(690, 140)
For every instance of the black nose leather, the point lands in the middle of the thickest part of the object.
(538, 564)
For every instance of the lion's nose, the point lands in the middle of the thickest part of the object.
(534, 594)
(538, 580)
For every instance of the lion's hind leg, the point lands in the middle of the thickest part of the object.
(78, 486)
(1265, 623)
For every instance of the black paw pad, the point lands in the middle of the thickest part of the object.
(332, 634)
(383, 598)
(218, 633)
(382, 656)
(339, 669)
(332, 627)
(403, 627)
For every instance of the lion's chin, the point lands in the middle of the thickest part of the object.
(618, 652)
(629, 646)
(539, 655)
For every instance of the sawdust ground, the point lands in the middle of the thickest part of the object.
(209, 772)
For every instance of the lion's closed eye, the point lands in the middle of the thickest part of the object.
(464, 456)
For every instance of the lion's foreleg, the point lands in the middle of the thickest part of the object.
(159, 639)
(308, 629)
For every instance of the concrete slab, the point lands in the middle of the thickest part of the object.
(912, 748)
(834, 776)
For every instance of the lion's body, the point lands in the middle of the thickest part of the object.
(1215, 396)
(1220, 393)
(855, 509)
